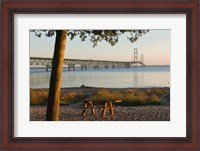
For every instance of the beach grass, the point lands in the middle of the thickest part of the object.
(38, 96)
(129, 96)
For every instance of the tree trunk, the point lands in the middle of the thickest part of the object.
(53, 103)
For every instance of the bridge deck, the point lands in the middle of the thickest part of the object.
(82, 62)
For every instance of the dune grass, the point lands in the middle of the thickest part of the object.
(129, 97)
(38, 96)
(72, 97)
(132, 97)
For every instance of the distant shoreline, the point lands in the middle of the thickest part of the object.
(157, 65)
(99, 88)
(35, 67)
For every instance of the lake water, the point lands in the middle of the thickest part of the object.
(149, 76)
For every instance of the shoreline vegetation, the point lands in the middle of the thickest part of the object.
(129, 96)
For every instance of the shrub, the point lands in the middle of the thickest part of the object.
(154, 99)
(141, 98)
(38, 97)
(72, 97)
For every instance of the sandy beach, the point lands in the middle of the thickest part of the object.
(133, 113)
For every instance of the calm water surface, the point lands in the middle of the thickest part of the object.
(156, 76)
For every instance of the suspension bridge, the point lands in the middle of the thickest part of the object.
(96, 64)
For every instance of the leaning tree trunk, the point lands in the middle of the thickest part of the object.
(53, 103)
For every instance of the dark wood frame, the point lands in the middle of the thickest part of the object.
(11, 7)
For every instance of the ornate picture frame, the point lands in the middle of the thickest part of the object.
(11, 8)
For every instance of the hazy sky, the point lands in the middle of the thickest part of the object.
(155, 46)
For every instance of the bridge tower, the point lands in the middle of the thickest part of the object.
(142, 58)
(135, 56)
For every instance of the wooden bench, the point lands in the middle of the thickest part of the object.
(88, 104)
(107, 105)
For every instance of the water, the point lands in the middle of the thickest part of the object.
(152, 76)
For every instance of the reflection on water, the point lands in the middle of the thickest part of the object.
(135, 82)
(111, 78)
(142, 78)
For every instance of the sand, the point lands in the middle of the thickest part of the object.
(132, 113)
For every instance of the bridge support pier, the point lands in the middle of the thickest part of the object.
(127, 65)
(113, 66)
(83, 67)
(47, 68)
(71, 66)
(118, 66)
(96, 67)
(106, 66)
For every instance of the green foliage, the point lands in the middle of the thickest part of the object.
(47, 33)
(96, 36)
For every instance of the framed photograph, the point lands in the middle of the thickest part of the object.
(99, 75)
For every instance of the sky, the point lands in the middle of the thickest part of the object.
(154, 45)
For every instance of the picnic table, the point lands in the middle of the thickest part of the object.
(107, 104)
